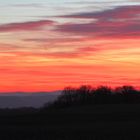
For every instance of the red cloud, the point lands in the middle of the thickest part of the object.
(25, 26)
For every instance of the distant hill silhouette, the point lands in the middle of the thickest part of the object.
(20, 99)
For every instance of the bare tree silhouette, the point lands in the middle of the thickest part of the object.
(85, 94)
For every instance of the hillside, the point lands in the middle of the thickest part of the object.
(82, 113)
(104, 122)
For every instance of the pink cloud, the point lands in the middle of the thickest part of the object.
(25, 26)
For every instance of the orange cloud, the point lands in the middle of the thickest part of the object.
(103, 51)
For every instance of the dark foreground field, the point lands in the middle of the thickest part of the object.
(88, 122)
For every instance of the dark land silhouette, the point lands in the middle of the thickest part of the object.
(101, 95)
(83, 113)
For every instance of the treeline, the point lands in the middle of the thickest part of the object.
(101, 95)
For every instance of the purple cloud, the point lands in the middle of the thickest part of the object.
(122, 12)
(122, 21)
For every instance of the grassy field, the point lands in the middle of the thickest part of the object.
(90, 122)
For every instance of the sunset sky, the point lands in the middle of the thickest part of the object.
(46, 45)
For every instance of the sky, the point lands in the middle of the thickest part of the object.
(46, 45)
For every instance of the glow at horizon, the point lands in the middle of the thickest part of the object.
(50, 44)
